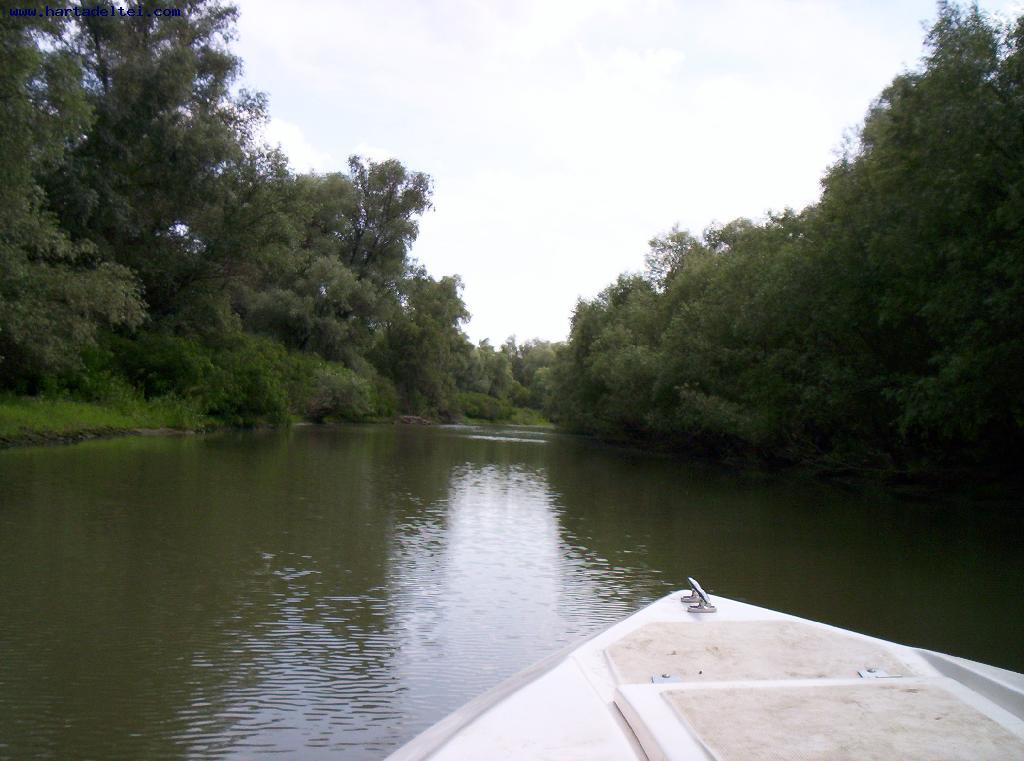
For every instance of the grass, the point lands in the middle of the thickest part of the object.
(47, 419)
(519, 416)
(31, 417)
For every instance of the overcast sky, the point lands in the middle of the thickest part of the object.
(563, 134)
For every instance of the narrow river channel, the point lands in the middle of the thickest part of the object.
(331, 591)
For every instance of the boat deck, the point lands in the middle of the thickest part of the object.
(722, 651)
(742, 683)
(906, 719)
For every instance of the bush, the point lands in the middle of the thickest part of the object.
(527, 416)
(483, 407)
(339, 393)
(249, 382)
(96, 379)
(159, 364)
(384, 398)
(240, 380)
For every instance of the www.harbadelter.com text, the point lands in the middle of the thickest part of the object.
(106, 9)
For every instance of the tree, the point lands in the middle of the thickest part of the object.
(54, 293)
(379, 222)
(170, 145)
(422, 347)
(344, 274)
(880, 328)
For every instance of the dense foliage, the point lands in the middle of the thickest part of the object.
(881, 328)
(153, 248)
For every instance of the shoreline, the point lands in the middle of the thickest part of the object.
(51, 438)
(912, 485)
(57, 438)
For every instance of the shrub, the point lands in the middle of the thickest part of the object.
(159, 364)
(340, 394)
(249, 382)
(483, 407)
(384, 397)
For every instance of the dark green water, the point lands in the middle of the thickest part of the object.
(329, 592)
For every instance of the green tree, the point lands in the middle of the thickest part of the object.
(879, 328)
(422, 347)
(165, 164)
(54, 293)
(344, 274)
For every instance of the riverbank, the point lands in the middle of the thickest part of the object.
(519, 416)
(28, 421)
(973, 481)
(39, 421)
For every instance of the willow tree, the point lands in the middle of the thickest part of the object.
(169, 159)
(54, 291)
(879, 328)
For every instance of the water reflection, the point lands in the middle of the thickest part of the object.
(331, 591)
(484, 584)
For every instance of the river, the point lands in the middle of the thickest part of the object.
(329, 592)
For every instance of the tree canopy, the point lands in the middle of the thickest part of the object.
(154, 246)
(152, 239)
(880, 328)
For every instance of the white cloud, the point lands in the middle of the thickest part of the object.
(374, 152)
(563, 135)
(302, 154)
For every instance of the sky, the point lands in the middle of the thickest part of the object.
(562, 135)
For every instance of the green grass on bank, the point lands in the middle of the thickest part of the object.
(517, 416)
(36, 416)
(482, 409)
(28, 418)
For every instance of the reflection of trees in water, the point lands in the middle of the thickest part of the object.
(472, 566)
(329, 588)
(473, 578)
(193, 593)
(487, 580)
(862, 560)
(196, 595)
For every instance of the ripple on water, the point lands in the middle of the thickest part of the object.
(182, 598)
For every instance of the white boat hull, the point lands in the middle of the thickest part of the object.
(667, 684)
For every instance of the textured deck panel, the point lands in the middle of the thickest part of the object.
(870, 722)
(718, 651)
(745, 705)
